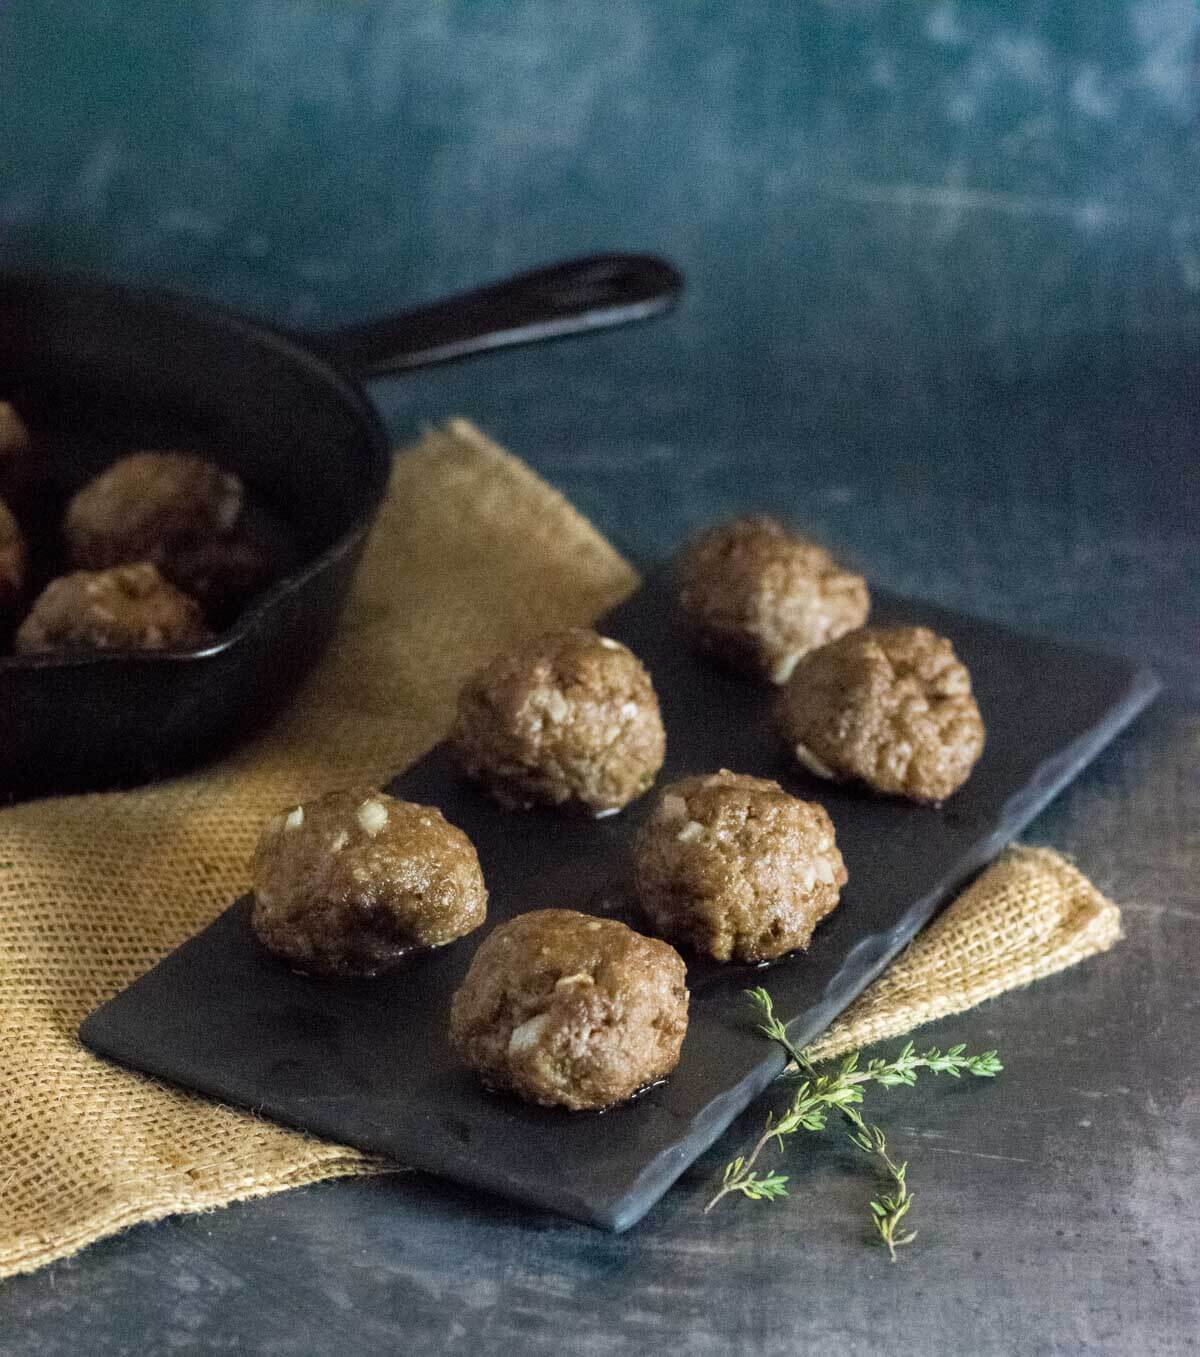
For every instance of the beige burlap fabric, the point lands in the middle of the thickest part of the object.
(1030, 914)
(471, 551)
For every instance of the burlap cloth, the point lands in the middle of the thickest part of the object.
(471, 551)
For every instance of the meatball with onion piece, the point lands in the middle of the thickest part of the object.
(351, 883)
(891, 707)
(567, 719)
(736, 868)
(130, 607)
(757, 597)
(148, 505)
(567, 1010)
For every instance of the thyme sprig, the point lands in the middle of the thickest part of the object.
(841, 1091)
(888, 1209)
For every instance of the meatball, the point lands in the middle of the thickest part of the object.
(16, 451)
(891, 707)
(148, 507)
(130, 607)
(758, 597)
(736, 868)
(220, 572)
(349, 884)
(570, 717)
(571, 1011)
(13, 562)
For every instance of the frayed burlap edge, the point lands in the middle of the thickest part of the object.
(1029, 915)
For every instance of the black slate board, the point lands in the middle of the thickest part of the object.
(367, 1062)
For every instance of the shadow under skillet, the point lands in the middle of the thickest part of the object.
(368, 1063)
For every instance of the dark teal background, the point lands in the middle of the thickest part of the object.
(943, 310)
(871, 170)
(888, 176)
(875, 202)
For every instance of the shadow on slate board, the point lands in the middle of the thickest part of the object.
(368, 1063)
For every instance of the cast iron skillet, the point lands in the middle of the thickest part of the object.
(98, 370)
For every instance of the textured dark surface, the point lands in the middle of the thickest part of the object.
(944, 309)
(370, 1064)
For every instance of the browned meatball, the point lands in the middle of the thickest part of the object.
(349, 884)
(13, 563)
(221, 572)
(148, 506)
(758, 597)
(130, 607)
(889, 706)
(571, 1011)
(736, 868)
(570, 717)
(16, 451)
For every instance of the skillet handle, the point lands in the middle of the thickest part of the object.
(571, 298)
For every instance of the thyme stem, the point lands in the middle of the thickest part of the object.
(818, 1094)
